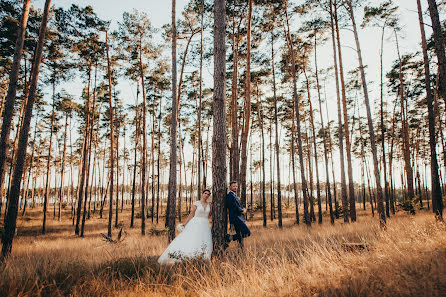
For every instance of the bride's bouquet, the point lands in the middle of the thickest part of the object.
(180, 227)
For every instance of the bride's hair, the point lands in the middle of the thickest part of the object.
(206, 190)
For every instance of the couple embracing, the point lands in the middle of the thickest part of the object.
(195, 239)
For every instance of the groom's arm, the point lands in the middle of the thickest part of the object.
(233, 205)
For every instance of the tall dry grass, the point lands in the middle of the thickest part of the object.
(408, 259)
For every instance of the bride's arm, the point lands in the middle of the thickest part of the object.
(210, 213)
(191, 215)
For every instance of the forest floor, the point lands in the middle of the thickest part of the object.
(356, 259)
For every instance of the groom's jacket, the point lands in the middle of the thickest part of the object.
(234, 207)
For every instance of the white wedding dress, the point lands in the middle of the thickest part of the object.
(195, 241)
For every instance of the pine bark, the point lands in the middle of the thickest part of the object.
(11, 217)
(112, 139)
(247, 111)
(48, 164)
(439, 47)
(276, 136)
(435, 180)
(297, 118)
(10, 99)
(219, 170)
(173, 135)
(379, 191)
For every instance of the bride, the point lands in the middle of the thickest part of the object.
(195, 240)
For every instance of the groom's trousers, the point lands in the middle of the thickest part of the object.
(241, 231)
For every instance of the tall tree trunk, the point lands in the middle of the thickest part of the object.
(316, 163)
(89, 152)
(405, 128)
(173, 135)
(435, 180)
(219, 170)
(379, 191)
(392, 141)
(276, 124)
(297, 115)
(48, 163)
(8, 106)
(260, 113)
(200, 145)
(144, 142)
(310, 173)
(324, 136)
(271, 174)
(137, 121)
(345, 203)
(180, 163)
(247, 111)
(383, 136)
(152, 147)
(340, 131)
(293, 154)
(63, 165)
(112, 138)
(439, 47)
(234, 160)
(11, 217)
(83, 165)
(158, 162)
(31, 168)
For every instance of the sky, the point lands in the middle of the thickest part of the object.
(160, 13)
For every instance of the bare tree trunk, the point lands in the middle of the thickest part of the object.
(297, 115)
(112, 138)
(173, 135)
(152, 146)
(144, 141)
(31, 168)
(89, 152)
(158, 163)
(247, 111)
(235, 154)
(219, 170)
(345, 203)
(8, 106)
(276, 124)
(348, 148)
(262, 150)
(48, 163)
(383, 137)
(439, 47)
(324, 136)
(293, 154)
(63, 165)
(335, 28)
(392, 196)
(84, 157)
(435, 181)
(180, 163)
(11, 217)
(316, 163)
(405, 129)
(117, 172)
(271, 174)
(370, 123)
(200, 145)
(137, 121)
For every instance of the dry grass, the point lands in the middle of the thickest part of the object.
(408, 259)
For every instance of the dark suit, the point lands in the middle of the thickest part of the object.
(236, 217)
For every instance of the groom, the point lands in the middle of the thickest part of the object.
(236, 215)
